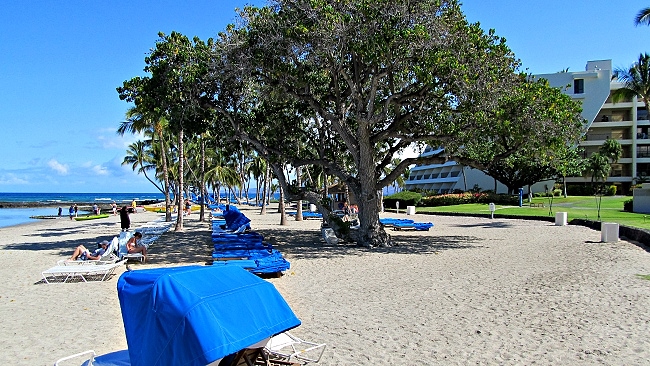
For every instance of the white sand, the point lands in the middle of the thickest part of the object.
(470, 291)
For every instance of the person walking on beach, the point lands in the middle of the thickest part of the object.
(133, 206)
(76, 210)
(71, 211)
(60, 211)
(95, 208)
(114, 207)
(125, 221)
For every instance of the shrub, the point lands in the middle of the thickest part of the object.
(628, 205)
(579, 190)
(610, 190)
(405, 198)
(469, 197)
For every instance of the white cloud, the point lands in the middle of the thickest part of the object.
(100, 170)
(62, 169)
(10, 178)
(109, 139)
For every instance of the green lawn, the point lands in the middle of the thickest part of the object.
(576, 207)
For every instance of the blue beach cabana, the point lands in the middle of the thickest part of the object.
(196, 315)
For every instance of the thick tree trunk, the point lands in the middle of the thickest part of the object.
(370, 232)
(179, 208)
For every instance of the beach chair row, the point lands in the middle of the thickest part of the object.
(405, 224)
(307, 215)
(235, 245)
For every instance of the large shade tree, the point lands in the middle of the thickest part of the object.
(379, 75)
(539, 123)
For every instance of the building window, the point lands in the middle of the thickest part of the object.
(578, 86)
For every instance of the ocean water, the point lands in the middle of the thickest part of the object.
(70, 198)
(16, 216)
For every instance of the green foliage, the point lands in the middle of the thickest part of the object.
(610, 190)
(344, 226)
(628, 205)
(580, 190)
(543, 124)
(469, 197)
(405, 198)
(635, 79)
(581, 207)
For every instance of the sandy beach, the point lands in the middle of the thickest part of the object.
(469, 291)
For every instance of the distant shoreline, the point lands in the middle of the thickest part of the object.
(102, 205)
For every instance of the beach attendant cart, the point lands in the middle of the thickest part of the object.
(198, 315)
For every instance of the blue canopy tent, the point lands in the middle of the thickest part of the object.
(198, 314)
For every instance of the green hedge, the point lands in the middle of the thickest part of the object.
(405, 198)
(468, 197)
(628, 205)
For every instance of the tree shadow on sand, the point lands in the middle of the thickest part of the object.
(64, 247)
(193, 245)
(310, 244)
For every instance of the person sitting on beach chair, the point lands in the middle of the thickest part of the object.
(84, 254)
(133, 247)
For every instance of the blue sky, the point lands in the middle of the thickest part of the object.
(60, 62)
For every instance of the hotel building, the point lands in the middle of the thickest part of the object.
(626, 121)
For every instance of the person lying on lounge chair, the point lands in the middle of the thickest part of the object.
(84, 254)
(133, 247)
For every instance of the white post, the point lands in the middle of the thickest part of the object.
(609, 232)
(560, 219)
(492, 209)
(397, 206)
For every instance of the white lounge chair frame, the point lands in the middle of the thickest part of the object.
(286, 345)
(89, 356)
(108, 257)
(70, 272)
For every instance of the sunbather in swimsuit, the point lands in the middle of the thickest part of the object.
(84, 254)
(133, 247)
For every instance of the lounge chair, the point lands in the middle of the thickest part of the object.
(123, 252)
(200, 315)
(291, 348)
(109, 256)
(61, 274)
(196, 315)
(419, 226)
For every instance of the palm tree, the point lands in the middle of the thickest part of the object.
(636, 81)
(136, 121)
(643, 17)
(139, 156)
(600, 165)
